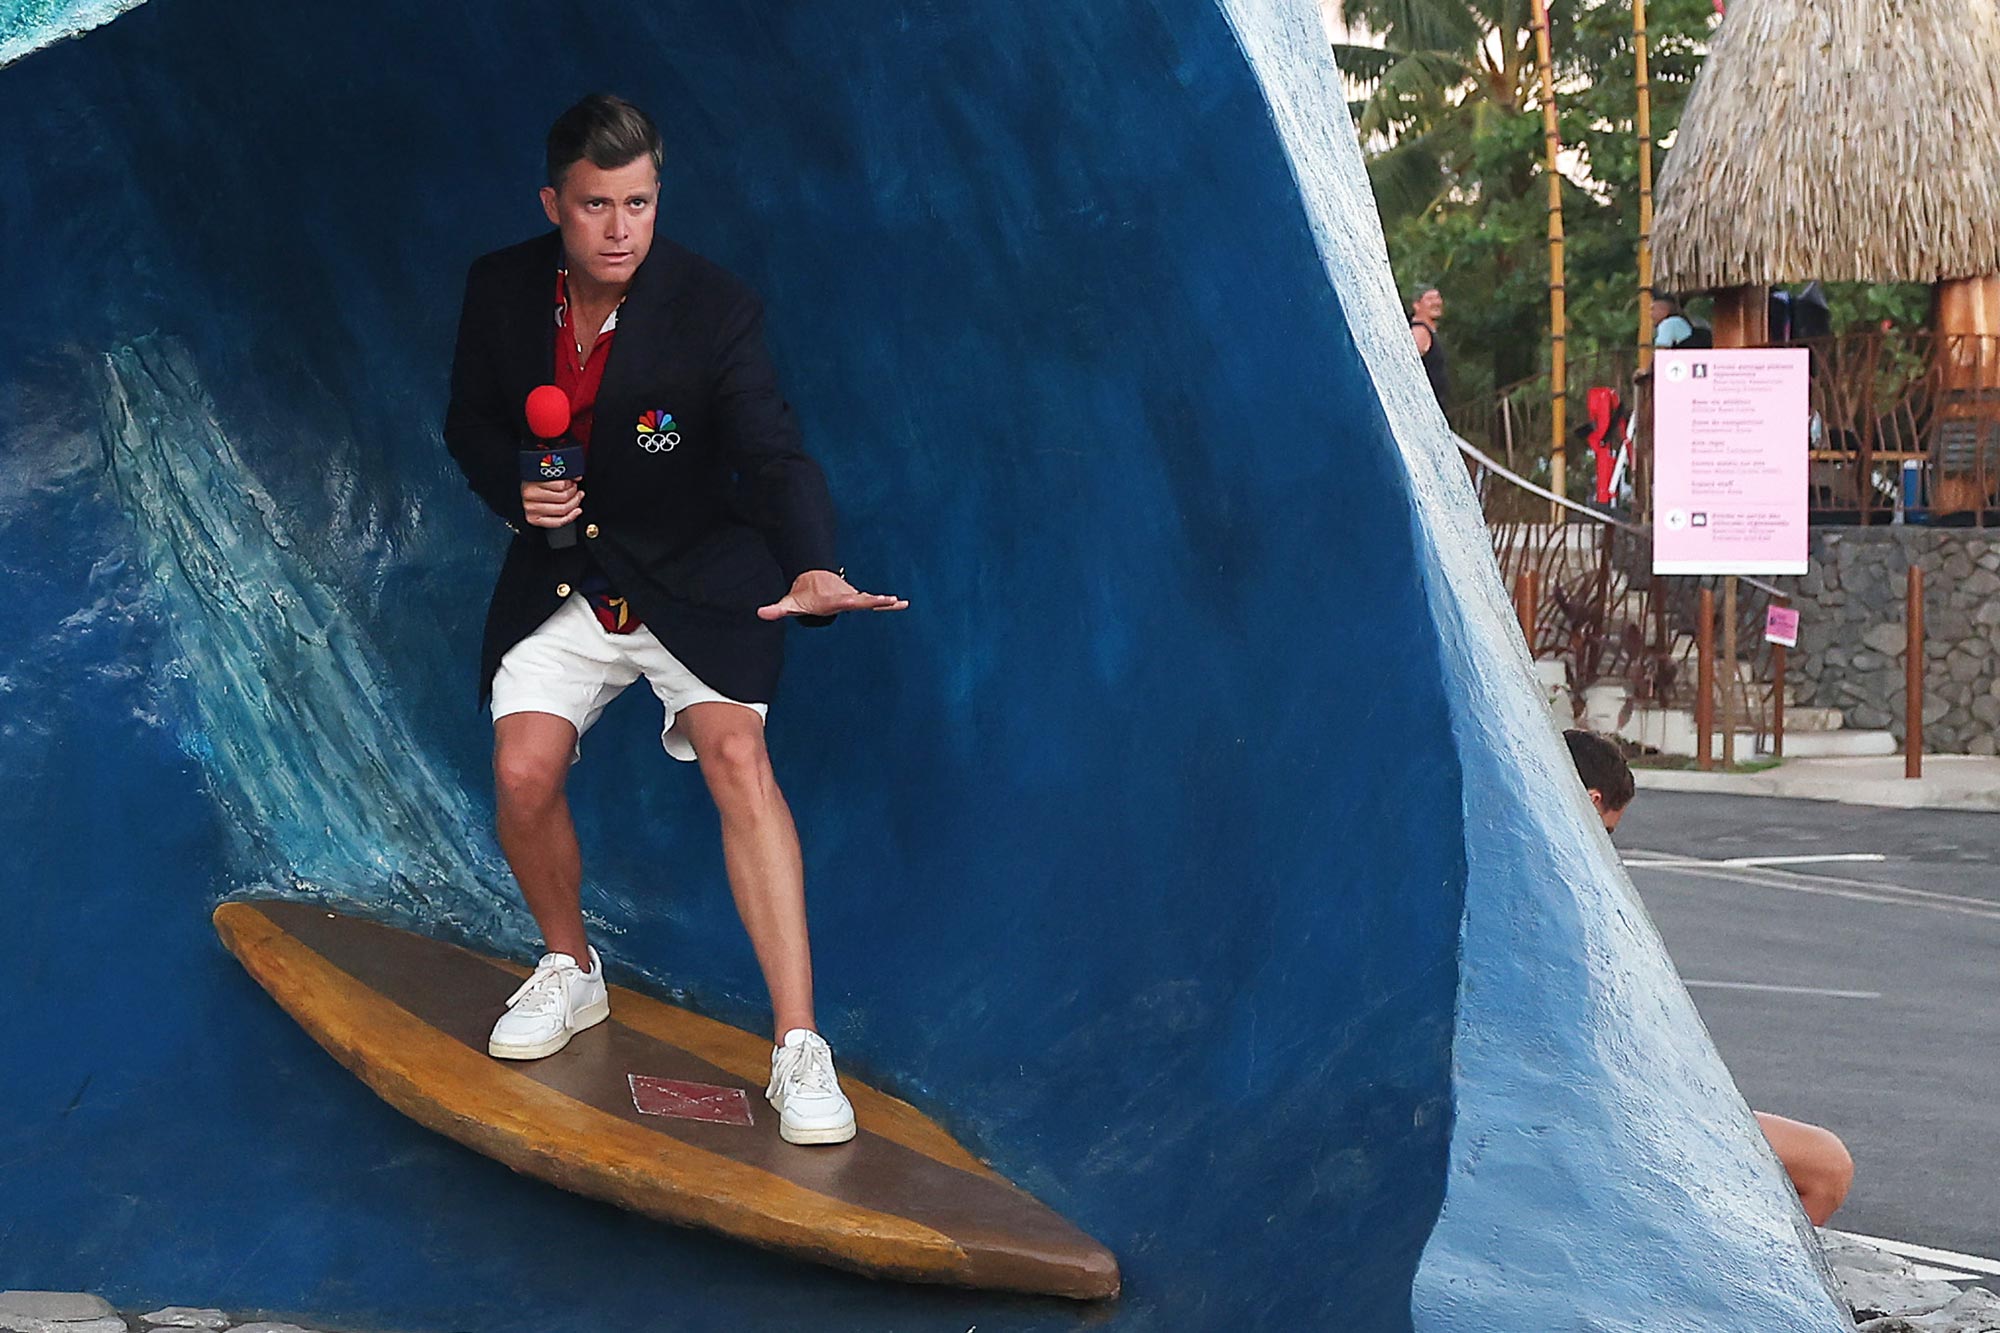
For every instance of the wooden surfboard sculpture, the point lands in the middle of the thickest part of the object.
(410, 1016)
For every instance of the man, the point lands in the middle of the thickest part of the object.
(699, 528)
(1671, 328)
(1816, 1160)
(1425, 312)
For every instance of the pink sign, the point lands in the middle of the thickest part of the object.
(1729, 451)
(1781, 625)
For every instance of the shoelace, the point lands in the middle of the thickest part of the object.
(808, 1068)
(546, 988)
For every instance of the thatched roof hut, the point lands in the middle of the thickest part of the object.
(1838, 139)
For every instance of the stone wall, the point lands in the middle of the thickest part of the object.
(1851, 633)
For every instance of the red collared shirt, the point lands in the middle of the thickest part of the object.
(579, 377)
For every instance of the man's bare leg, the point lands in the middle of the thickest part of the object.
(1815, 1159)
(531, 758)
(760, 848)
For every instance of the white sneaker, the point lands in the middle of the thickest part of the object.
(551, 1006)
(805, 1092)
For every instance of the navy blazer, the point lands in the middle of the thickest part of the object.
(696, 528)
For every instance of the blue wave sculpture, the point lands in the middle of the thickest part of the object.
(1196, 848)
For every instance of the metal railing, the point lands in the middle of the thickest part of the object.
(1588, 598)
(1904, 423)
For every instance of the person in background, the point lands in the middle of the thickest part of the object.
(1671, 328)
(1426, 309)
(1817, 1161)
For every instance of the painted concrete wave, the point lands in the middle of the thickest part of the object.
(1164, 850)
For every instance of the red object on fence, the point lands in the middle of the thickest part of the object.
(1607, 418)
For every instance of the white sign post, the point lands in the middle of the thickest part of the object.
(1730, 438)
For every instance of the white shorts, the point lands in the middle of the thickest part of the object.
(571, 668)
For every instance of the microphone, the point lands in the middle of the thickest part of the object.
(558, 459)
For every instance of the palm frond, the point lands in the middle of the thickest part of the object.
(1406, 180)
(1419, 25)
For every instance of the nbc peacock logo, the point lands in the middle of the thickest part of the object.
(658, 432)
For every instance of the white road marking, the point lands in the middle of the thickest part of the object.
(1966, 1265)
(1829, 886)
(1783, 990)
(1755, 862)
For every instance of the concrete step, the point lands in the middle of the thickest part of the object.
(1800, 721)
(1672, 731)
(1837, 744)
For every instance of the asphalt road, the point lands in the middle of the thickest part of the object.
(1859, 995)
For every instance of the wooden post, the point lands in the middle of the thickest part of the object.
(1704, 677)
(1965, 315)
(1729, 672)
(1527, 604)
(1780, 659)
(1558, 325)
(1742, 316)
(1913, 677)
(1644, 125)
(1778, 665)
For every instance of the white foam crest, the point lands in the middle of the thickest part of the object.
(27, 26)
(296, 724)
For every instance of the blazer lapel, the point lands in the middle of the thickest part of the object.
(531, 337)
(645, 324)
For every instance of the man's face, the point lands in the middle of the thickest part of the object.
(1430, 306)
(606, 216)
(1661, 311)
(1610, 817)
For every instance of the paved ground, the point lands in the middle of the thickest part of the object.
(1950, 781)
(1861, 995)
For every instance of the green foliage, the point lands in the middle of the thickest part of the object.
(1449, 109)
(1858, 306)
(1480, 228)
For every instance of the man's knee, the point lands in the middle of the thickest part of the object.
(528, 776)
(1830, 1166)
(1820, 1167)
(735, 762)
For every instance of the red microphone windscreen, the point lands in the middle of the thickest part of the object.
(548, 411)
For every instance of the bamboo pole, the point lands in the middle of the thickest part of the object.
(1558, 328)
(1644, 124)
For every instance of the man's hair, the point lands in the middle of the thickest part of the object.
(1668, 298)
(1420, 291)
(1602, 768)
(608, 130)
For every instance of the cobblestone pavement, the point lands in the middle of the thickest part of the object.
(81, 1312)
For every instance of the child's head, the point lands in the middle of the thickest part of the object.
(1605, 775)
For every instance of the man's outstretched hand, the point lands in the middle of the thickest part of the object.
(821, 592)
